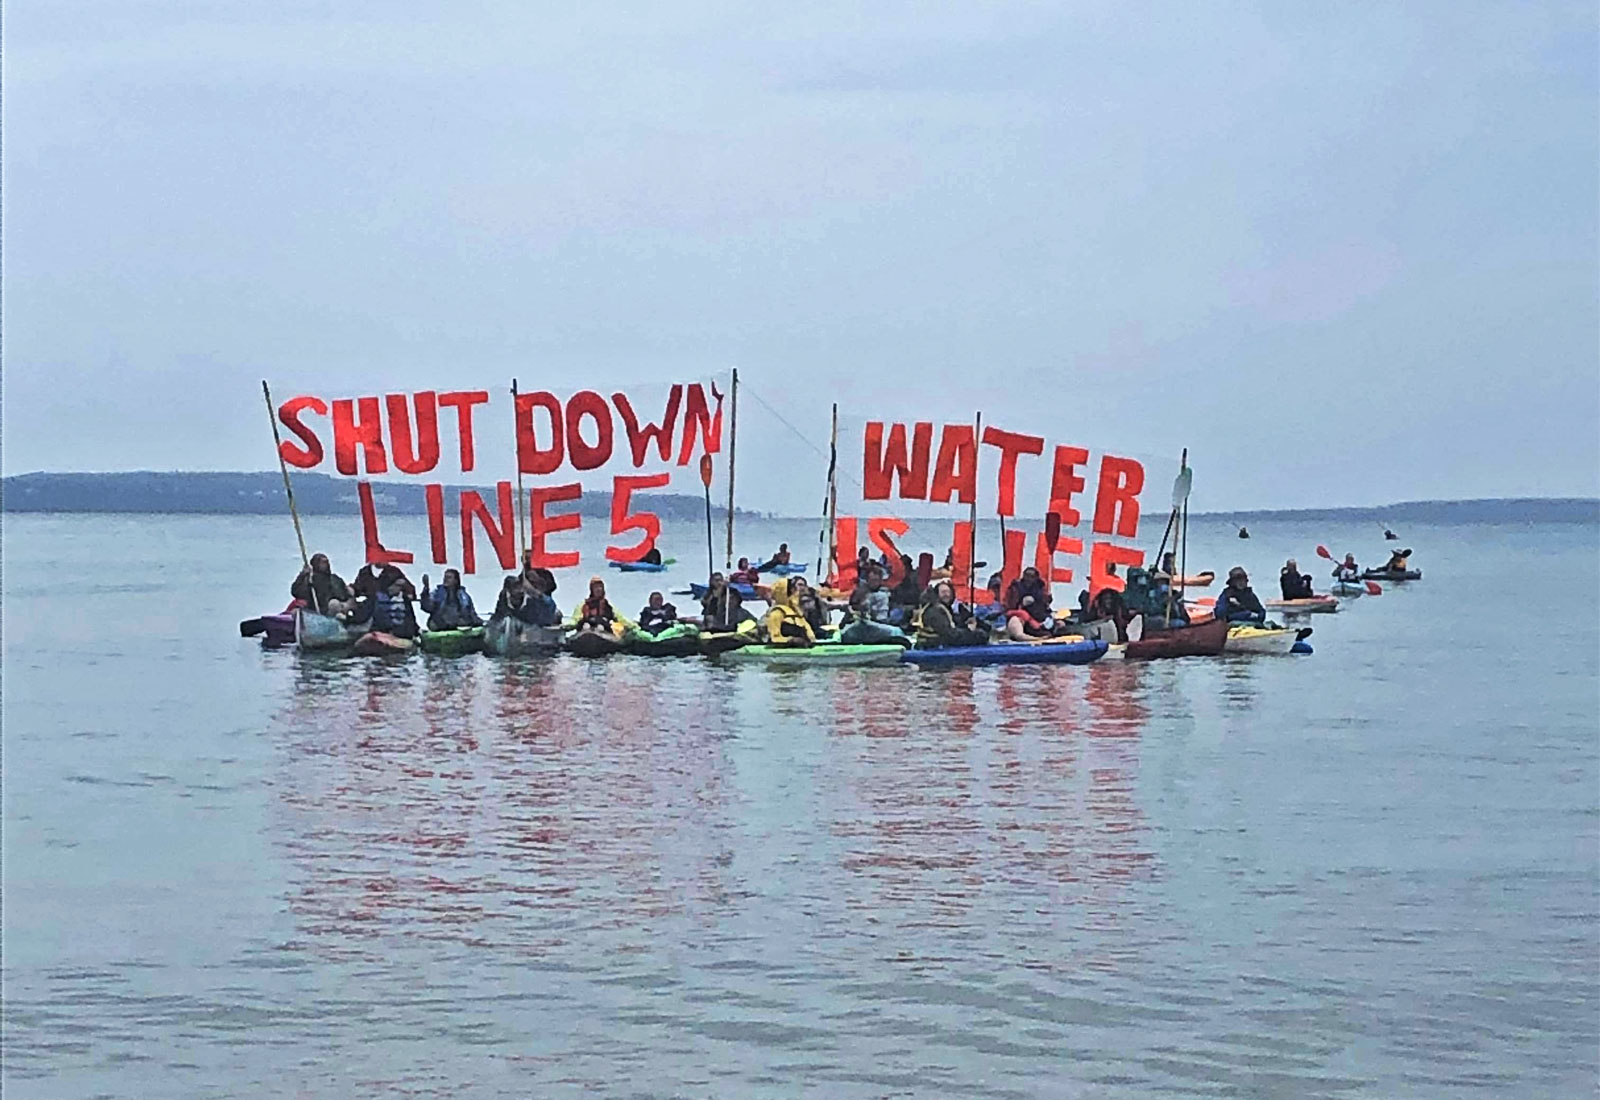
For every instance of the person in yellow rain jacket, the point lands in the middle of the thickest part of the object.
(596, 612)
(786, 622)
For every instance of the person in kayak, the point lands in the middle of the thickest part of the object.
(781, 557)
(373, 579)
(991, 613)
(785, 622)
(811, 606)
(516, 603)
(321, 589)
(745, 574)
(652, 556)
(1237, 603)
(725, 613)
(1398, 562)
(448, 606)
(537, 579)
(946, 622)
(1294, 584)
(1347, 570)
(595, 612)
(1390, 535)
(392, 612)
(1109, 605)
(657, 615)
(863, 563)
(1028, 613)
(868, 621)
(1244, 532)
(905, 595)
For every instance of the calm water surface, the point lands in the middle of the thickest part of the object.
(1367, 873)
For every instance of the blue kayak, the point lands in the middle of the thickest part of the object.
(642, 566)
(785, 570)
(1010, 653)
(748, 591)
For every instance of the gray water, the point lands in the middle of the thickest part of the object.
(1371, 872)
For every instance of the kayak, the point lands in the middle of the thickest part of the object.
(593, 643)
(1348, 589)
(376, 643)
(509, 637)
(1067, 651)
(1195, 580)
(1394, 575)
(833, 655)
(786, 569)
(643, 566)
(713, 643)
(1312, 605)
(679, 640)
(275, 630)
(1205, 639)
(314, 631)
(748, 591)
(1269, 638)
(452, 643)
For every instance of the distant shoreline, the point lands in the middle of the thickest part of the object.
(261, 493)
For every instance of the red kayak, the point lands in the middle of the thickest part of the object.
(1198, 640)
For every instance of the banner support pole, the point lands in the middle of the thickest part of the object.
(516, 444)
(972, 522)
(283, 468)
(733, 448)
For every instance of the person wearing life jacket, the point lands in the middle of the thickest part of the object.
(657, 615)
(596, 613)
(448, 606)
(1398, 562)
(811, 606)
(1347, 570)
(392, 612)
(745, 574)
(1294, 584)
(867, 620)
(946, 622)
(1028, 612)
(321, 589)
(785, 622)
(1237, 603)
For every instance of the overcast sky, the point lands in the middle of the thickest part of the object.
(1344, 253)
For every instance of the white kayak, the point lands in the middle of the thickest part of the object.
(1268, 639)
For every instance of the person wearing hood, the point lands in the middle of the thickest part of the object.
(1294, 584)
(946, 622)
(657, 615)
(1237, 603)
(1028, 613)
(786, 623)
(868, 617)
(448, 606)
(811, 606)
(596, 613)
(321, 589)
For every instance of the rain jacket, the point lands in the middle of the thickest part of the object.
(317, 589)
(447, 610)
(786, 623)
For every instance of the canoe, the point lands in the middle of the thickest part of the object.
(1312, 605)
(1076, 651)
(1269, 639)
(452, 643)
(715, 642)
(376, 643)
(833, 655)
(593, 643)
(1396, 575)
(314, 631)
(643, 566)
(681, 640)
(512, 638)
(1205, 639)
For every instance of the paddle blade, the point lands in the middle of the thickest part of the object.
(1181, 486)
(1374, 588)
(1322, 552)
(1052, 530)
(249, 628)
(705, 470)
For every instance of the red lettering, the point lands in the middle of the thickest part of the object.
(1011, 560)
(700, 423)
(376, 554)
(622, 488)
(1065, 482)
(961, 560)
(502, 535)
(1011, 444)
(426, 455)
(881, 532)
(289, 412)
(958, 447)
(640, 438)
(434, 495)
(580, 452)
(844, 551)
(463, 402)
(530, 457)
(1104, 554)
(1044, 559)
(881, 463)
(1117, 498)
(546, 525)
(366, 429)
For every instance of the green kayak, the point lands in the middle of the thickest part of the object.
(453, 643)
(679, 640)
(832, 655)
